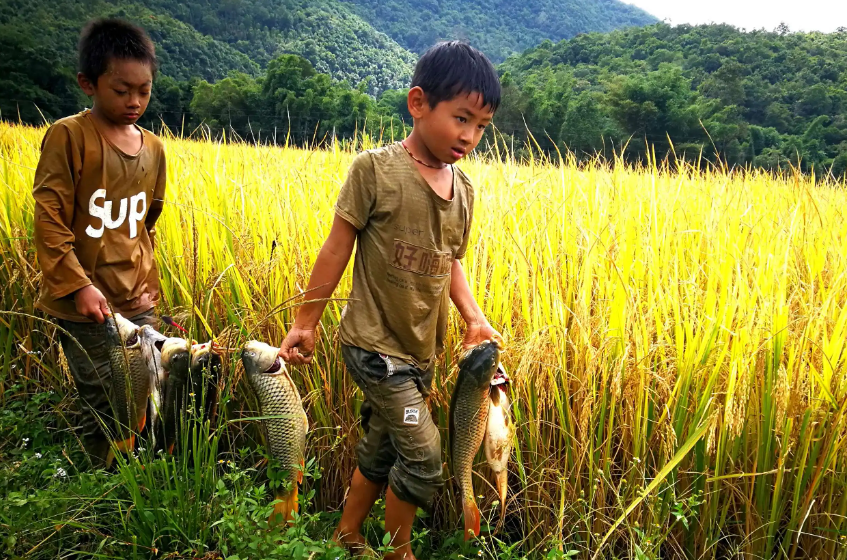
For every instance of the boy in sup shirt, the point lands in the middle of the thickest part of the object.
(99, 189)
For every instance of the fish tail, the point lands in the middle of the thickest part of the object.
(286, 504)
(110, 458)
(472, 518)
(502, 490)
(126, 445)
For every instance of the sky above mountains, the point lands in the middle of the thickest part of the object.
(807, 15)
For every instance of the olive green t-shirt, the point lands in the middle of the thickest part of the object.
(408, 238)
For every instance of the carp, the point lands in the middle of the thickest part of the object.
(130, 378)
(176, 360)
(497, 444)
(469, 407)
(285, 423)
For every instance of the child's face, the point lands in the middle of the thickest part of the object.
(452, 129)
(122, 93)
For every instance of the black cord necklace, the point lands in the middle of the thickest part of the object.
(425, 164)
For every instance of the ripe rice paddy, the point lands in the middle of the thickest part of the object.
(676, 341)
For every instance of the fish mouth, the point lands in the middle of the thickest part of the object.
(260, 359)
(275, 367)
(126, 331)
(501, 377)
(152, 337)
(173, 347)
(490, 348)
(203, 357)
(481, 362)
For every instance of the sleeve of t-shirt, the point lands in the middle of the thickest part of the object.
(54, 194)
(463, 248)
(357, 198)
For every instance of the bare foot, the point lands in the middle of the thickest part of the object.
(356, 544)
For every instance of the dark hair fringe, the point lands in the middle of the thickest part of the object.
(451, 68)
(104, 39)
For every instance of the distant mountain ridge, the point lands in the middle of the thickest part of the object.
(371, 44)
(497, 27)
(353, 40)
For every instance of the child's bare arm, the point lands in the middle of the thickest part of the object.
(158, 202)
(150, 222)
(479, 330)
(299, 343)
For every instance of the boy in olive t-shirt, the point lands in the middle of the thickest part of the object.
(410, 209)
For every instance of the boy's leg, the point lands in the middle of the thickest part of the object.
(363, 493)
(397, 394)
(376, 456)
(147, 318)
(399, 516)
(92, 376)
(416, 475)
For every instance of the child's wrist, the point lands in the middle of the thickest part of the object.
(476, 319)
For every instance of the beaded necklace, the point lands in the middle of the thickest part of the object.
(425, 164)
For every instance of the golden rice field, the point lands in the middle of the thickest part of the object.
(676, 336)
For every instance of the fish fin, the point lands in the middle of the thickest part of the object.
(472, 519)
(126, 445)
(142, 422)
(110, 458)
(171, 448)
(300, 473)
(502, 491)
(286, 504)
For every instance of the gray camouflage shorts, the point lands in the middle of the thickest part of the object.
(401, 444)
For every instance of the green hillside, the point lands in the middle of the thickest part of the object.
(768, 99)
(53, 28)
(336, 41)
(498, 27)
(194, 39)
(38, 52)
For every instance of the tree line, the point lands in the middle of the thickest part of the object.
(766, 99)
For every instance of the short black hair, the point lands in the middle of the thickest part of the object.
(451, 68)
(104, 39)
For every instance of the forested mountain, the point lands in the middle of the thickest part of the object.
(770, 99)
(497, 27)
(194, 39)
(761, 98)
(209, 39)
(38, 52)
(326, 33)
